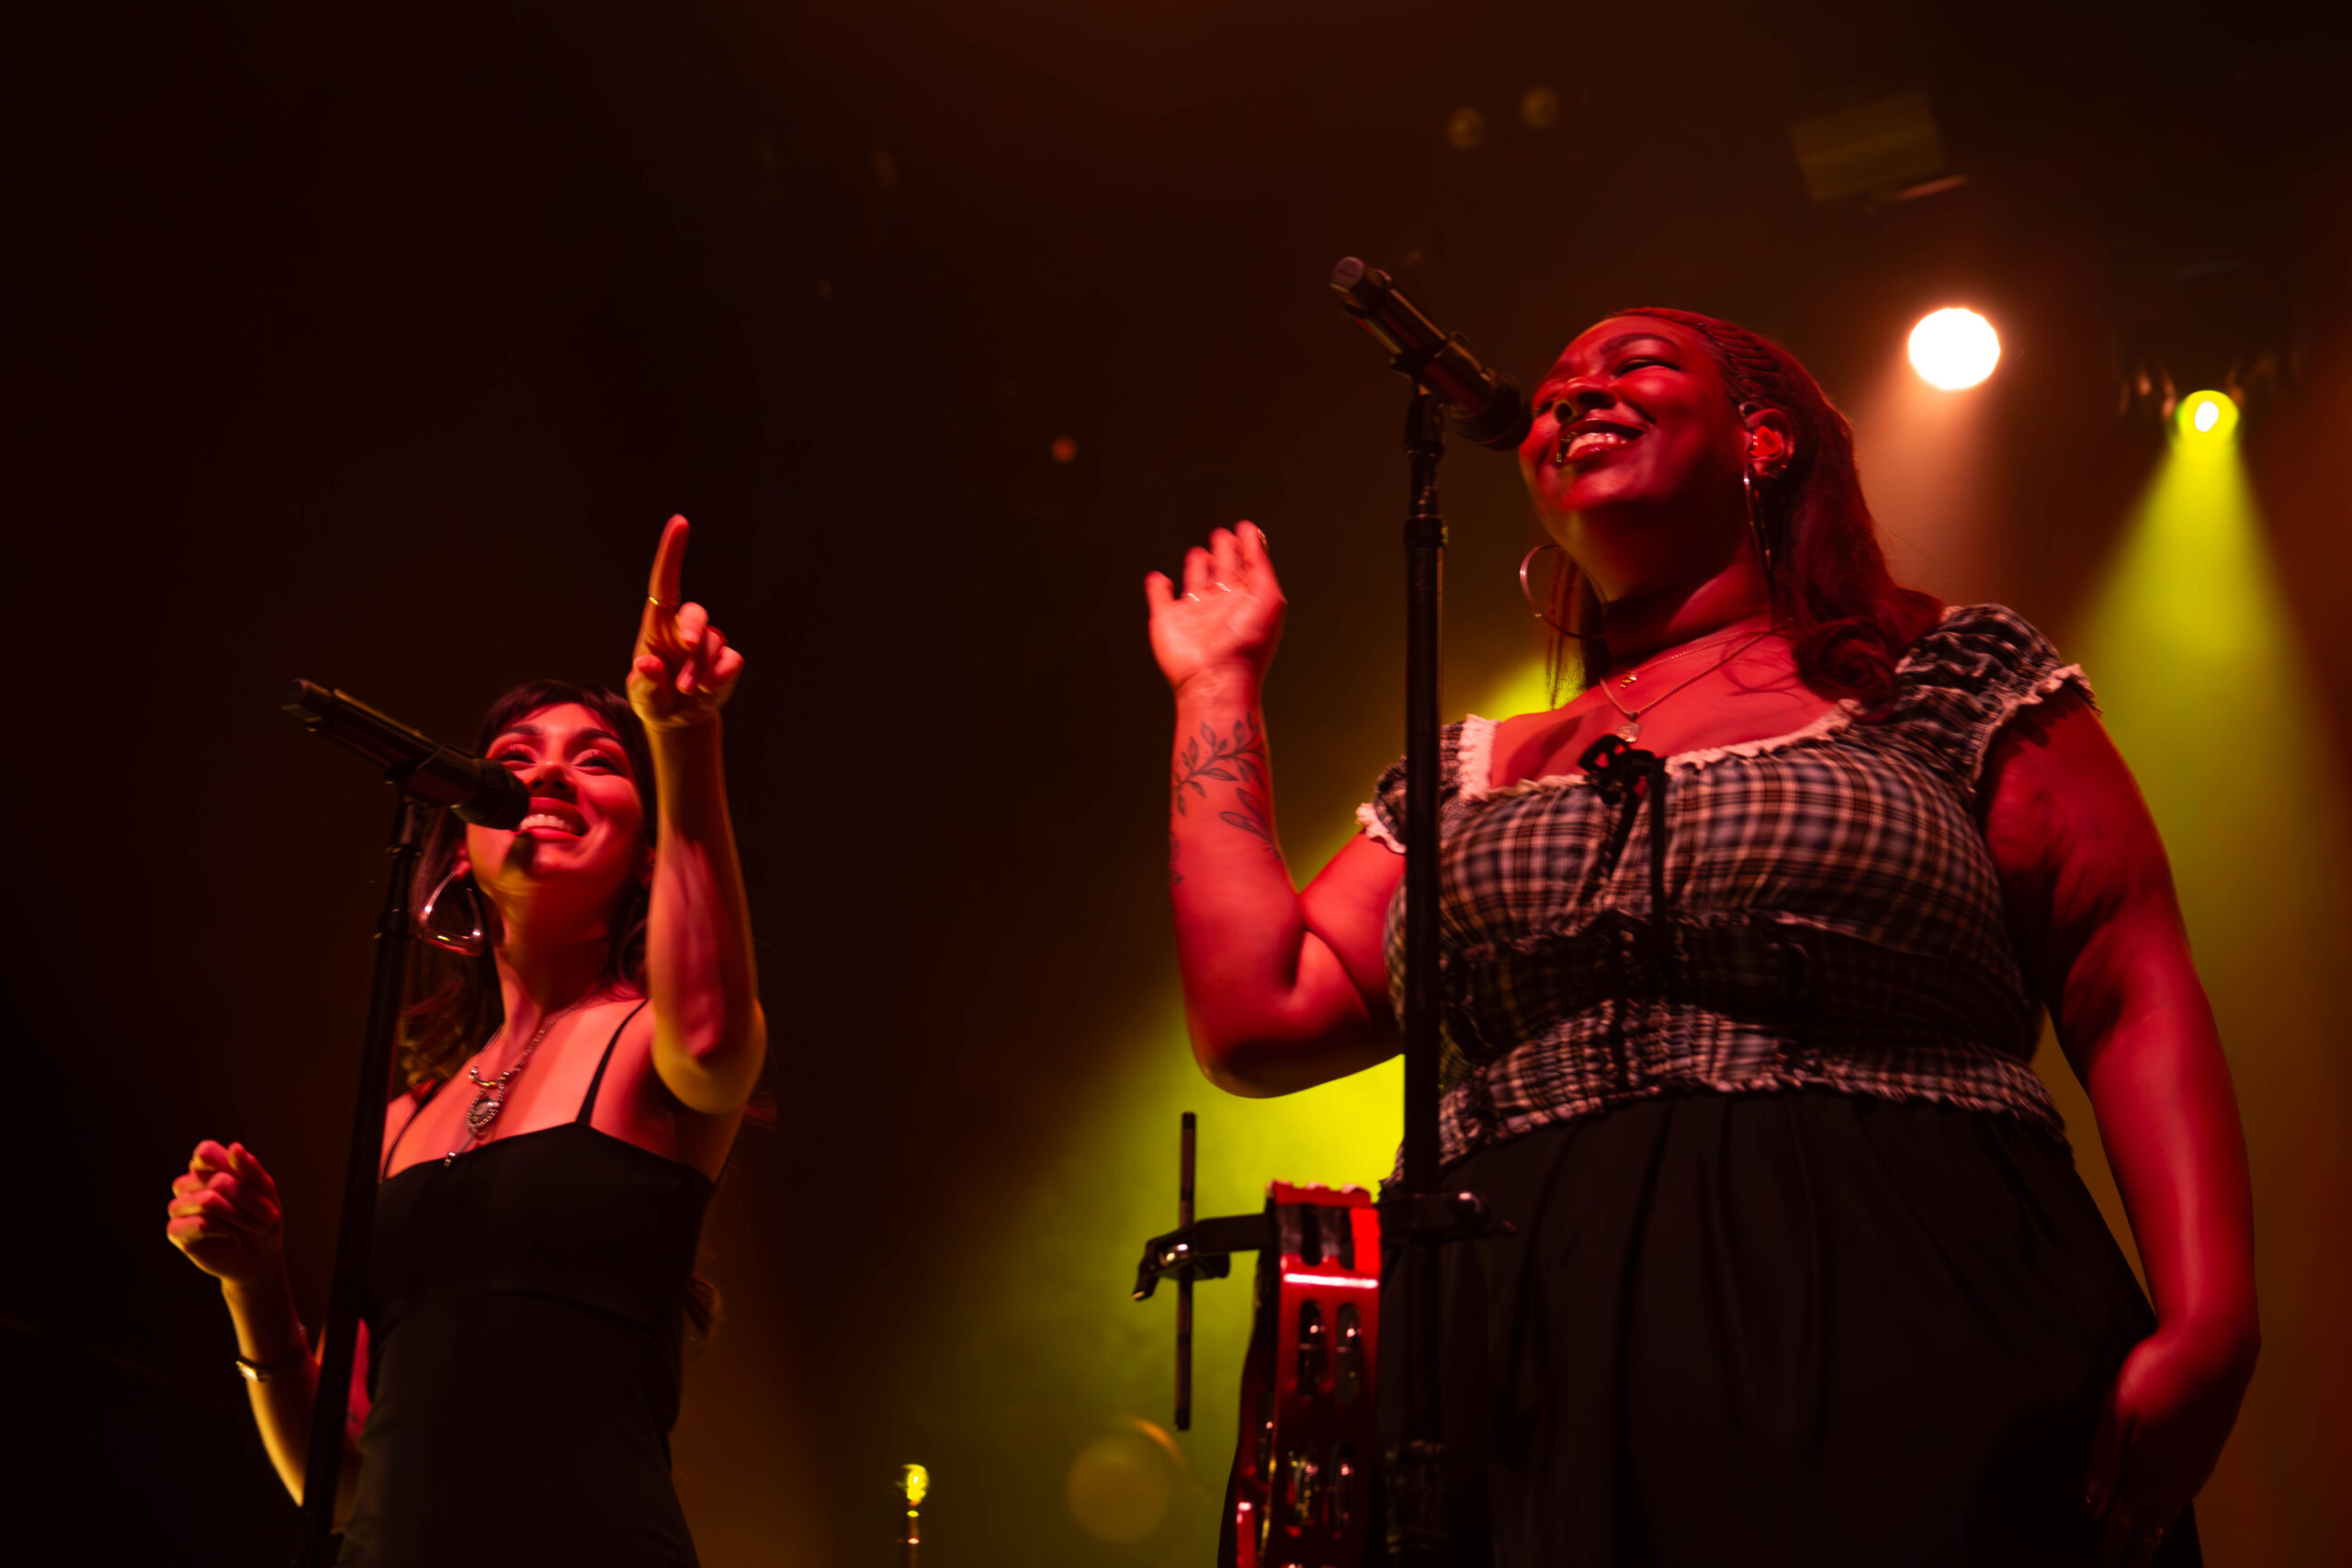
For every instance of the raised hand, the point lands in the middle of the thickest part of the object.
(224, 1215)
(683, 671)
(1228, 617)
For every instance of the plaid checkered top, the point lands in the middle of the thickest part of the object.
(1832, 915)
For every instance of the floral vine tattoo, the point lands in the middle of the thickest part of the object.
(1239, 760)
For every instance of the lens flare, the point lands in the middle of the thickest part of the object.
(2207, 413)
(1954, 348)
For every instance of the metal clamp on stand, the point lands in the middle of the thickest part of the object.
(1438, 1217)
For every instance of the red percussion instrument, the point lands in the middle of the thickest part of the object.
(1300, 1492)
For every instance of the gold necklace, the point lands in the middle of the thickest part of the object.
(1635, 674)
(1631, 730)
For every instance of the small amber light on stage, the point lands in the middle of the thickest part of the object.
(1464, 128)
(1954, 348)
(1538, 107)
(2208, 413)
(1065, 450)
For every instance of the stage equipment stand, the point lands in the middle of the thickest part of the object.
(1418, 1216)
(321, 1470)
(427, 775)
(1415, 1471)
(1417, 1213)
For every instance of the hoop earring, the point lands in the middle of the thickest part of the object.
(468, 946)
(1528, 594)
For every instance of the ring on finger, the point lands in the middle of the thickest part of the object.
(1194, 597)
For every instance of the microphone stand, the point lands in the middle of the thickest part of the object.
(313, 1544)
(1414, 1474)
(427, 775)
(1416, 1213)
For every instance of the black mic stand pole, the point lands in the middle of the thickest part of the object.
(1415, 1477)
(323, 1470)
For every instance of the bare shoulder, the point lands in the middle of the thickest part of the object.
(399, 1110)
(626, 1016)
(2063, 816)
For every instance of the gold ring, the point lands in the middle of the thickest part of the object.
(655, 602)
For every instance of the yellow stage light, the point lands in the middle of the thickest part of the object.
(1954, 348)
(2207, 413)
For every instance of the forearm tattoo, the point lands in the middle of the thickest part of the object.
(1237, 759)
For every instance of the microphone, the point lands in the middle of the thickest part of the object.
(1487, 405)
(484, 794)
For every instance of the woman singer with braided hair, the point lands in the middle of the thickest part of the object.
(536, 1225)
(1743, 956)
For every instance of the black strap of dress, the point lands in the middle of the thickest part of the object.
(587, 1105)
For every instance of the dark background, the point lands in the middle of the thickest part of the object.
(373, 344)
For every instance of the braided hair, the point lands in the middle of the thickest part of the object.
(1848, 620)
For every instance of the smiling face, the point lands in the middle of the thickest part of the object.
(584, 837)
(1634, 458)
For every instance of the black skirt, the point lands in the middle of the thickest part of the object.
(1793, 1328)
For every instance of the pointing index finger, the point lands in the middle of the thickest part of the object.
(669, 564)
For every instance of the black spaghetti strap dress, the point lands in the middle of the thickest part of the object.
(526, 1318)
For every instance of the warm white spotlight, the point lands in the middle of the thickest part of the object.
(1954, 348)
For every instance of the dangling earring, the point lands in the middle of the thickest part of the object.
(1756, 525)
(469, 945)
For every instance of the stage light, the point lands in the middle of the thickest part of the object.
(1954, 348)
(2207, 413)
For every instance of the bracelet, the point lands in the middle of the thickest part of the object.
(261, 1371)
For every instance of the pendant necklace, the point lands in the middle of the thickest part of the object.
(1633, 675)
(1631, 730)
(489, 1097)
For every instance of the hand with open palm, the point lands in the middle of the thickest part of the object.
(1228, 618)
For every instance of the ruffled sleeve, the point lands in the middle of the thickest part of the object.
(1968, 676)
(1382, 816)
